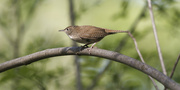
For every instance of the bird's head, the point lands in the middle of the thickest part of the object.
(68, 30)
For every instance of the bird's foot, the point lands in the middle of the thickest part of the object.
(83, 47)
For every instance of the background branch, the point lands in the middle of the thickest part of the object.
(174, 68)
(156, 38)
(76, 58)
(172, 73)
(166, 81)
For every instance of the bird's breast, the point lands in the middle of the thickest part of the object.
(77, 39)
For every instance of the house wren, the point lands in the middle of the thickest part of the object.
(88, 34)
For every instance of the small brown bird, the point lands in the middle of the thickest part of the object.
(88, 34)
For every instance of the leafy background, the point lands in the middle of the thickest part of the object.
(28, 26)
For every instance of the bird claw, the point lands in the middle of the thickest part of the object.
(83, 47)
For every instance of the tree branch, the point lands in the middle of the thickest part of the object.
(166, 81)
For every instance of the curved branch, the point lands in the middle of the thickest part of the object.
(166, 81)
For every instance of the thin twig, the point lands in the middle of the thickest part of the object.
(172, 73)
(140, 55)
(156, 38)
(136, 46)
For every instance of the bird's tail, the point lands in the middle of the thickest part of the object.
(115, 31)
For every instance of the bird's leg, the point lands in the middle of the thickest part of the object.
(91, 47)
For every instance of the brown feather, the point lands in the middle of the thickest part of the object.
(91, 32)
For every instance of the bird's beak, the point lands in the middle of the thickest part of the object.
(61, 30)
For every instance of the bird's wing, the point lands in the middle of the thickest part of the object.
(93, 33)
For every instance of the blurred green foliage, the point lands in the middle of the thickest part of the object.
(28, 26)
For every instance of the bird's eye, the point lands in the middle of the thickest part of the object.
(67, 29)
